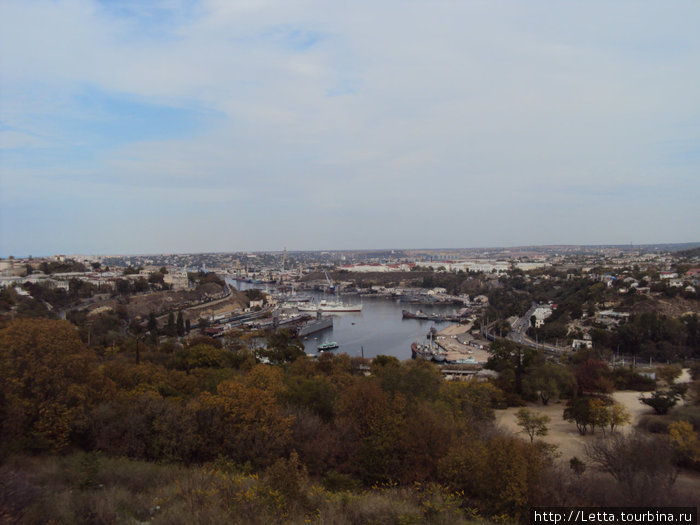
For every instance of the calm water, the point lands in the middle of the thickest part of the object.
(379, 328)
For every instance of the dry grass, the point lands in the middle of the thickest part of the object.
(88, 488)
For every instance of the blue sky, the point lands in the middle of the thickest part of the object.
(224, 125)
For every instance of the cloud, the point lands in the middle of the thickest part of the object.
(387, 118)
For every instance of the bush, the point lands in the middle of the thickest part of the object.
(642, 465)
(628, 379)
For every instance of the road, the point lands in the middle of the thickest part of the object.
(518, 335)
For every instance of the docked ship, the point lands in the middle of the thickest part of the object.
(316, 325)
(329, 306)
(438, 318)
(419, 351)
(428, 352)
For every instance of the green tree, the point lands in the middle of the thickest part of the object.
(661, 401)
(170, 329)
(506, 355)
(282, 347)
(180, 325)
(470, 402)
(532, 424)
(578, 411)
(549, 380)
(153, 327)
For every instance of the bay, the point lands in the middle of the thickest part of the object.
(378, 329)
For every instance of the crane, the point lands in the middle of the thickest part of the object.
(331, 286)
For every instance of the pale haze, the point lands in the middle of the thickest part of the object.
(201, 126)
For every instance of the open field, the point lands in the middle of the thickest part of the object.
(567, 438)
(564, 434)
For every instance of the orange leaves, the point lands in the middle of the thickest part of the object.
(244, 422)
(501, 474)
(47, 377)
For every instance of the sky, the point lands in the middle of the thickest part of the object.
(171, 126)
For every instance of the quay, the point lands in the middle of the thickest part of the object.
(456, 341)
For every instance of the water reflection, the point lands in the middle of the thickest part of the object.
(378, 329)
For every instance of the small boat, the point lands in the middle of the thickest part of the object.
(331, 345)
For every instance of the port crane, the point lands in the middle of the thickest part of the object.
(331, 285)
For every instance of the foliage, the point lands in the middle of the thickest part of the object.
(273, 433)
(592, 375)
(255, 295)
(242, 422)
(684, 440)
(549, 380)
(662, 400)
(507, 356)
(626, 378)
(48, 381)
(205, 277)
(499, 476)
(532, 424)
(659, 336)
(67, 266)
(669, 373)
(591, 412)
(282, 347)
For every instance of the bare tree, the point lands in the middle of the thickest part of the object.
(641, 465)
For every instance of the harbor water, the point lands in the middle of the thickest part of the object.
(377, 330)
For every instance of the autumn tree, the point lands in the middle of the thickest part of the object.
(599, 414)
(243, 422)
(48, 381)
(470, 402)
(426, 426)
(684, 440)
(376, 429)
(316, 394)
(618, 416)
(499, 476)
(592, 376)
(415, 379)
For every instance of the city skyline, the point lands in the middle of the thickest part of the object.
(205, 126)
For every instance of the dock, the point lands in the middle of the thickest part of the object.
(458, 344)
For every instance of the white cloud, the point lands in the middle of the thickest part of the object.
(377, 107)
